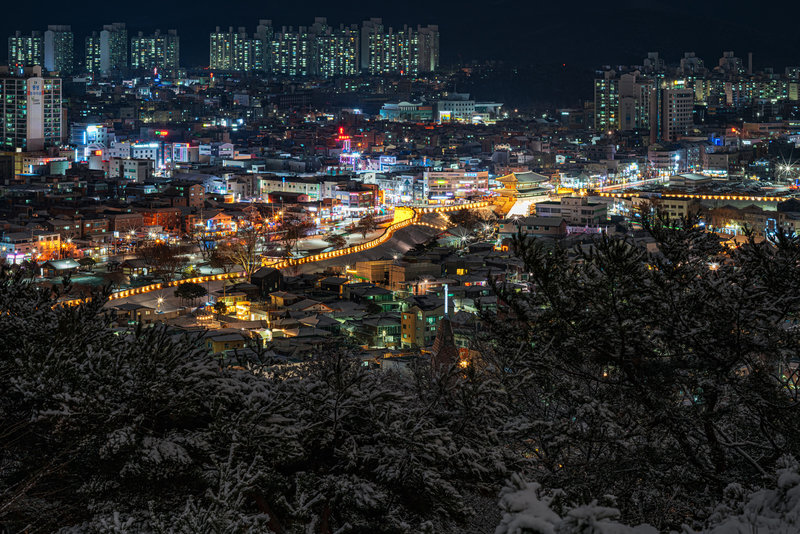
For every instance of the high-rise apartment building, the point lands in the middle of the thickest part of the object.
(672, 111)
(368, 27)
(30, 110)
(293, 52)
(235, 51)
(337, 51)
(634, 102)
(106, 52)
(731, 64)
(157, 51)
(428, 48)
(264, 33)
(384, 51)
(114, 49)
(59, 49)
(220, 51)
(653, 63)
(606, 102)
(691, 64)
(92, 54)
(25, 50)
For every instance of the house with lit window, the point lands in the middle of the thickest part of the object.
(420, 320)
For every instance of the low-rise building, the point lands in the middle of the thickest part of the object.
(533, 226)
(419, 321)
(577, 211)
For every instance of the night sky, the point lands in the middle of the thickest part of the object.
(576, 32)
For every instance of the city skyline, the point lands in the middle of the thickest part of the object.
(581, 33)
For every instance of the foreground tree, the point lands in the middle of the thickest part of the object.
(528, 508)
(149, 433)
(659, 378)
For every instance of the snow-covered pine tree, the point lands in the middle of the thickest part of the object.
(659, 378)
(147, 432)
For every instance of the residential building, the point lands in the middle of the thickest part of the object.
(113, 49)
(59, 49)
(156, 51)
(386, 51)
(606, 102)
(337, 51)
(264, 33)
(30, 108)
(293, 52)
(136, 170)
(634, 102)
(419, 321)
(534, 226)
(93, 54)
(25, 50)
(194, 193)
(691, 64)
(731, 64)
(236, 51)
(428, 43)
(672, 208)
(676, 113)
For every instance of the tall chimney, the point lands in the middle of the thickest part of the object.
(749, 63)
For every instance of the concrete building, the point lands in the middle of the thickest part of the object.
(407, 111)
(156, 51)
(337, 51)
(691, 64)
(92, 54)
(59, 49)
(419, 321)
(606, 103)
(455, 107)
(293, 53)
(136, 170)
(25, 50)
(30, 107)
(677, 109)
(236, 51)
(15, 247)
(448, 185)
(730, 64)
(667, 160)
(113, 49)
(106, 52)
(428, 39)
(386, 51)
(534, 226)
(576, 211)
(634, 102)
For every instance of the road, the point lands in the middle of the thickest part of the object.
(404, 217)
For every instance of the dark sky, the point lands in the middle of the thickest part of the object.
(560, 31)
